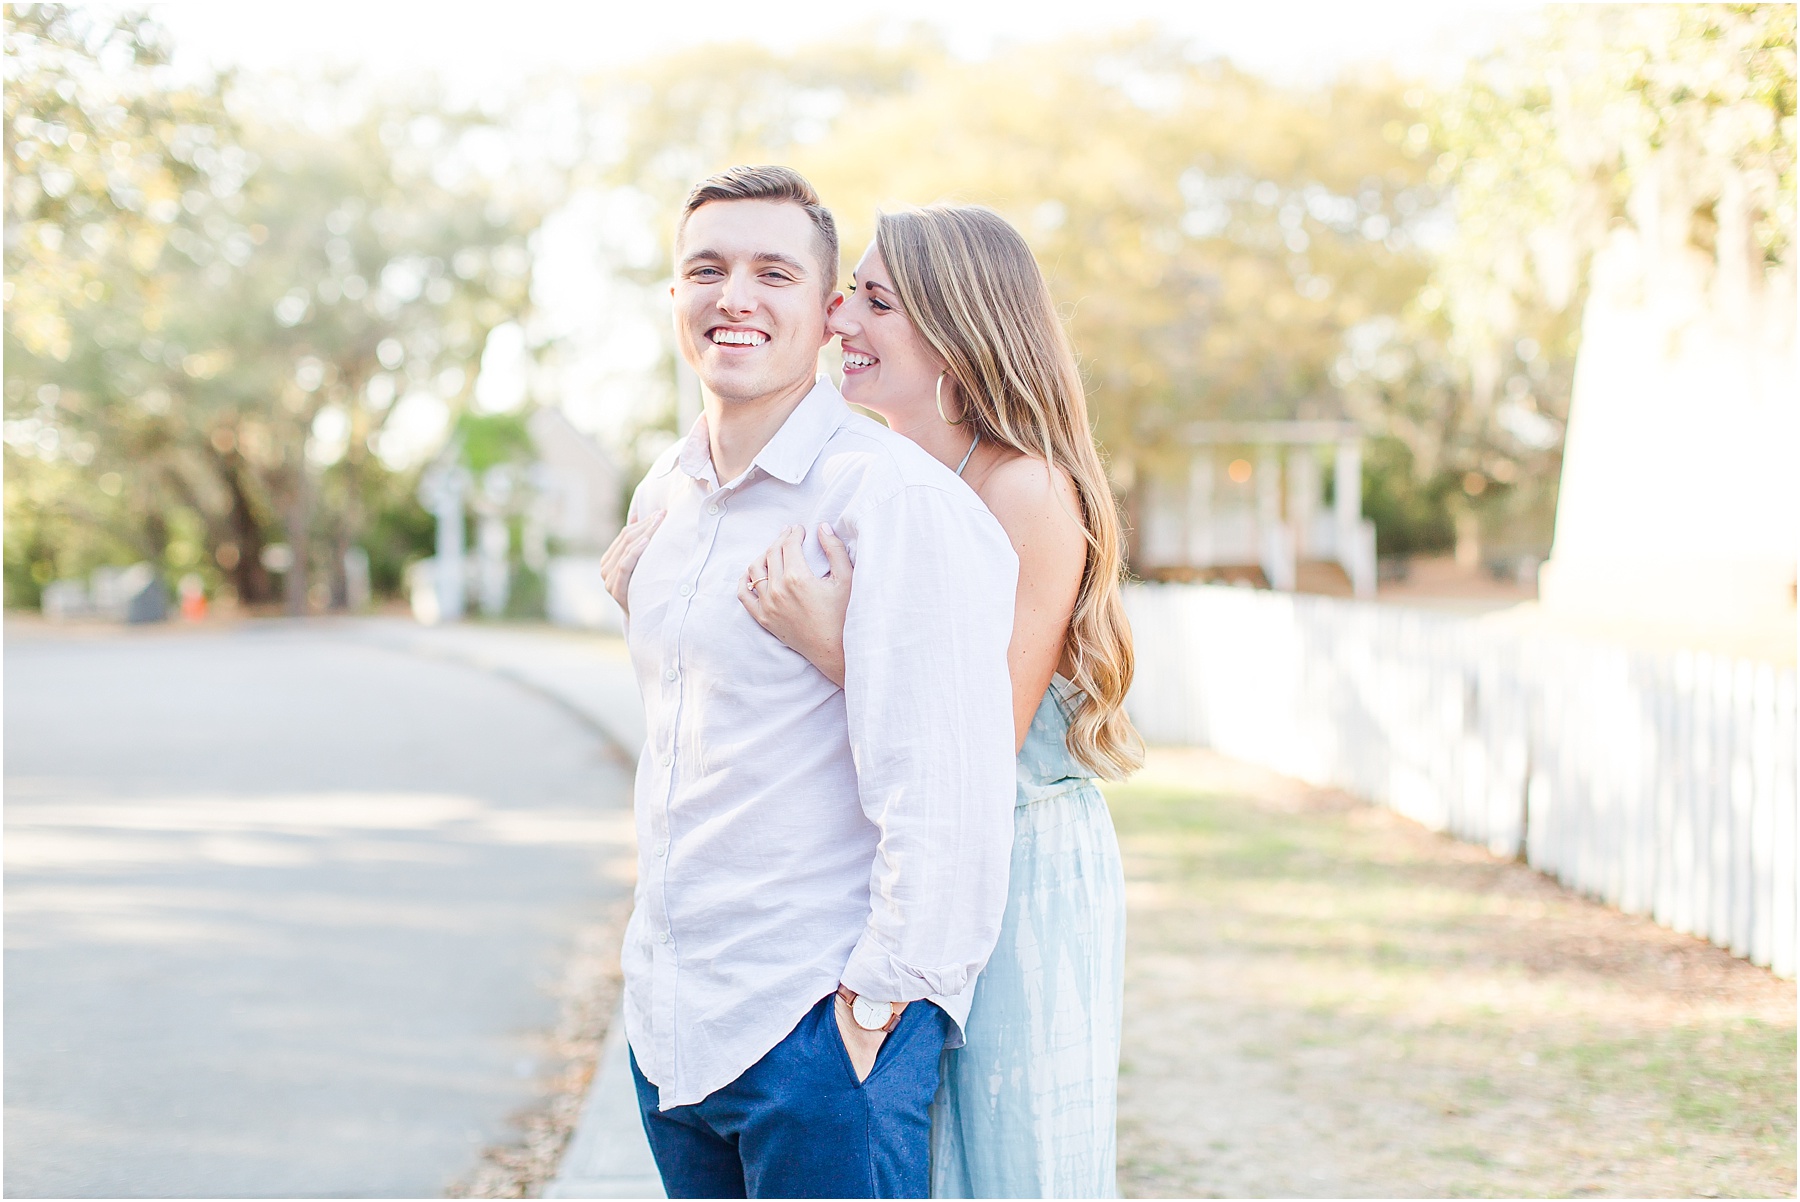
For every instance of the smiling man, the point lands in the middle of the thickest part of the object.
(821, 871)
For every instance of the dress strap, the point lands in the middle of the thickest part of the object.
(968, 454)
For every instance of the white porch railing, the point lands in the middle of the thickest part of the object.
(1662, 783)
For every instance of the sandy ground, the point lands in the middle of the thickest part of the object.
(1324, 999)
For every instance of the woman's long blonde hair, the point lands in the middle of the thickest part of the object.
(973, 289)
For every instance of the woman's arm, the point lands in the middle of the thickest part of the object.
(1037, 506)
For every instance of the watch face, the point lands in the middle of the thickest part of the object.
(871, 1016)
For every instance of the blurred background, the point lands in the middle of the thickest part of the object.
(1443, 361)
(258, 284)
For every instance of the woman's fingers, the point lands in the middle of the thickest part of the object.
(836, 554)
(621, 558)
(634, 534)
(753, 581)
(777, 574)
(789, 550)
(611, 554)
(748, 598)
(627, 563)
(773, 566)
(759, 571)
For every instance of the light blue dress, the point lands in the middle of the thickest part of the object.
(1027, 1106)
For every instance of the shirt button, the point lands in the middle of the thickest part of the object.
(662, 849)
(664, 937)
(667, 760)
(712, 509)
(669, 675)
(686, 589)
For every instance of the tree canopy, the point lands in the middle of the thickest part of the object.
(241, 312)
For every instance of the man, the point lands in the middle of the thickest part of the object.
(822, 871)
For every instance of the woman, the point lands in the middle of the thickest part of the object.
(949, 334)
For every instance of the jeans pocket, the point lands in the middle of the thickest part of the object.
(842, 1049)
(916, 1015)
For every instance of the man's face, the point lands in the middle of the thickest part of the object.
(750, 301)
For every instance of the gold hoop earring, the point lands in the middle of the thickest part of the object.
(940, 400)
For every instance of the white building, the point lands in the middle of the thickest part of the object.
(579, 495)
(1252, 499)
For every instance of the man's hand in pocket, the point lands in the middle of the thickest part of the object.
(862, 1045)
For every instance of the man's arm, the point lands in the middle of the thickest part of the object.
(929, 704)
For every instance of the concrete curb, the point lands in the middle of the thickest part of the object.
(591, 677)
(588, 675)
(608, 1157)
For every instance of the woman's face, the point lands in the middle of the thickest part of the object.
(888, 365)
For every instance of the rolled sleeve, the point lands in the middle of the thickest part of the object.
(929, 707)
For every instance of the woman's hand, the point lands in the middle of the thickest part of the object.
(802, 610)
(621, 559)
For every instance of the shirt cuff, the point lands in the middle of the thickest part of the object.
(873, 973)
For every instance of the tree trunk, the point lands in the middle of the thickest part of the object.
(349, 529)
(299, 520)
(248, 575)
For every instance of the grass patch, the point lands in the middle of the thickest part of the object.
(1736, 1076)
(1356, 1006)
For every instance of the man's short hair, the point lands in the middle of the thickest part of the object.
(770, 183)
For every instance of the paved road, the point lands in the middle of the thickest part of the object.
(283, 907)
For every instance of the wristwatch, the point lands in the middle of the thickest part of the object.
(869, 1015)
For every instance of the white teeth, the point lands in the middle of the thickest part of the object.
(739, 337)
(852, 359)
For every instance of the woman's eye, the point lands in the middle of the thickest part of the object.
(879, 306)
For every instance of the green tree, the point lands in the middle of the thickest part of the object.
(1556, 142)
(106, 158)
(1211, 236)
(219, 367)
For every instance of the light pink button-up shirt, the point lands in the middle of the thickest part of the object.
(792, 834)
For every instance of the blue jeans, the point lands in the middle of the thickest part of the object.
(798, 1124)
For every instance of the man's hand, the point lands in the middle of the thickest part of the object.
(862, 1045)
(621, 558)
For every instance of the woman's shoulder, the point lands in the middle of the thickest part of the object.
(1025, 487)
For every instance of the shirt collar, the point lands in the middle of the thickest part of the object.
(696, 452)
(790, 454)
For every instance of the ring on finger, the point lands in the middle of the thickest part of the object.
(757, 581)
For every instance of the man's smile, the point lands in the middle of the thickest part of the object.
(736, 336)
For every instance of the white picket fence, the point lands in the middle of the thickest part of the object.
(1661, 783)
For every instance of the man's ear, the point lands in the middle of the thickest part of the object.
(831, 304)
